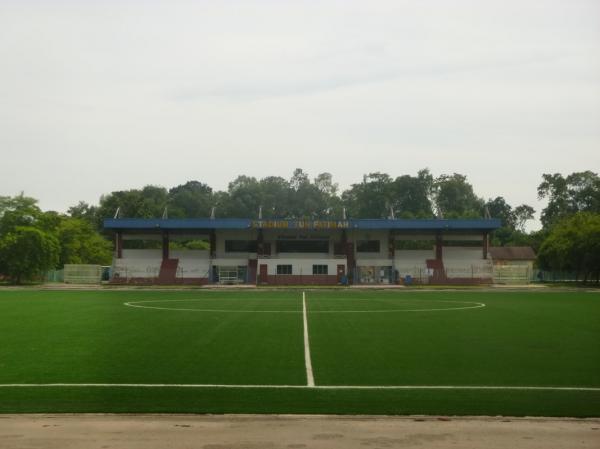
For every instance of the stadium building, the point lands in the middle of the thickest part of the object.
(286, 252)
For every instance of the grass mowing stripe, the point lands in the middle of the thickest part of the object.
(310, 380)
(300, 400)
(318, 387)
(522, 354)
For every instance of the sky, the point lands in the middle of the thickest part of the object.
(103, 96)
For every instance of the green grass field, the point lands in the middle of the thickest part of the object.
(378, 352)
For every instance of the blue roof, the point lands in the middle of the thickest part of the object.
(427, 224)
(245, 223)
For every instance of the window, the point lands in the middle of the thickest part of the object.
(284, 269)
(471, 243)
(414, 244)
(141, 244)
(240, 246)
(303, 246)
(367, 246)
(319, 269)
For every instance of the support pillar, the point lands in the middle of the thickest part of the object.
(350, 259)
(392, 256)
(165, 245)
(213, 243)
(438, 246)
(212, 251)
(119, 244)
(260, 243)
(486, 243)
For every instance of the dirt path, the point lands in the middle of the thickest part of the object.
(292, 432)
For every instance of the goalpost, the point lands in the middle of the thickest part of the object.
(230, 275)
(82, 274)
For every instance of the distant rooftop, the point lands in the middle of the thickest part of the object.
(512, 253)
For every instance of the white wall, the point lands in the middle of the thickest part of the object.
(137, 267)
(409, 256)
(192, 263)
(362, 262)
(190, 254)
(461, 261)
(145, 263)
(301, 256)
(412, 262)
(302, 266)
(230, 261)
(139, 263)
(193, 268)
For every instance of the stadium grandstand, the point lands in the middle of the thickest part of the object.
(308, 252)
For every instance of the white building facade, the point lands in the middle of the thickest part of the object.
(300, 252)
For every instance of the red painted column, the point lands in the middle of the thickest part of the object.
(119, 244)
(165, 245)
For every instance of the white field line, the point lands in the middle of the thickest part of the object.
(139, 304)
(131, 304)
(310, 379)
(318, 387)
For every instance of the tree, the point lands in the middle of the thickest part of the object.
(299, 179)
(573, 244)
(25, 252)
(454, 197)
(191, 200)
(410, 195)
(85, 212)
(372, 198)
(149, 202)
(275, 197)
(578, 192)
(81, 244)
(499, 208)
(584, 191)
(243, 198)
(324, 183)
(17, 211)
(522, 214)
(512, 231)
(330, 204)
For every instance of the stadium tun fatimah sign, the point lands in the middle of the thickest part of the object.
(300, 224)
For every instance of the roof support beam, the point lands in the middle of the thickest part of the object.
(165, 245)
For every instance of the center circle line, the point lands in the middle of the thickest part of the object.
(137, 304)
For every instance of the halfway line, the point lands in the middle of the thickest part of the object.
(310, 379)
